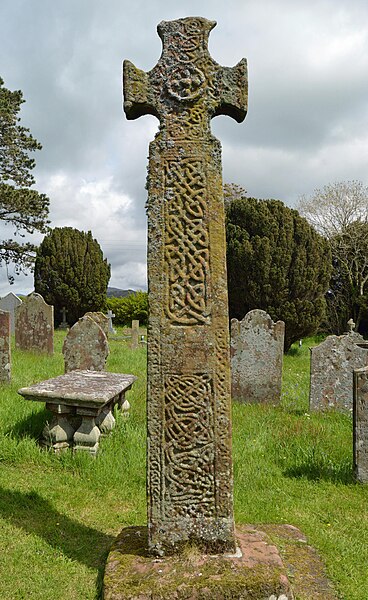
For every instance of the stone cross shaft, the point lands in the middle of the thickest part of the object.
(190, 488)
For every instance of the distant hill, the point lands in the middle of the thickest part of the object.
(118, 293)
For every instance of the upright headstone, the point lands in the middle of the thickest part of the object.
(9, 303)
(190, 485)
(5, 360)
(34, 325)
(360, 424)
(101, 320)
(135, 335)
(332, 365)
(64, 323)
(257, 346)
(110, 315)
(85, 346)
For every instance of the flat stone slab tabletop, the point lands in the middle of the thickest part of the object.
(82, 403)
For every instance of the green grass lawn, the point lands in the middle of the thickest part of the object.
(60, 514)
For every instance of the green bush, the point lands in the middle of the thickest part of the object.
(134, 306)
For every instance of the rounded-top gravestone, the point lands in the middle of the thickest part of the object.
(85, 346)
(34, 325)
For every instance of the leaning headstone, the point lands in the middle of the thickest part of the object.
(110, 315)
(5, 360)
(9, 303)
(101, 320)
(34, 325)
(135, 335)
(85, 346)
(190, 485)
(331, 375)
(360, 424)
(257, 346)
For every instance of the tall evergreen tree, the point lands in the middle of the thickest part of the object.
(70, 271)
(24, 209)
(276, 262)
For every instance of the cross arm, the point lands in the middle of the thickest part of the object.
(138, 92)
(233, 100)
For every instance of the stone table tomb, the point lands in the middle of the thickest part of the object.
(82, 404)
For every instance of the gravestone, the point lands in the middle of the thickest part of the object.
(110, 315)
(101, 320)
(135, 334)
(5, 354)
(64, 323)
(34, 325)
(360, 424)
(85, 346)
(331, 371)
(9, 303)
(257, 347)
(190, 483)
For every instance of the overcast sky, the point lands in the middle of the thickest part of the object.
(307, 122)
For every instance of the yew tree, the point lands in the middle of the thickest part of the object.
(276, 262)
(23, 209)
(71, 271)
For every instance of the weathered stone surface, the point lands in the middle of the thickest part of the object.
(5, 353)
(332, 365)
(255, 572)
(360, 424)
(189, 398)
(85, 346)
(9, 303)
(34, 325)
(257, 346)
(135, 335)
(101, 320)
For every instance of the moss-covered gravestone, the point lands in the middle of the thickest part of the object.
(189, 454)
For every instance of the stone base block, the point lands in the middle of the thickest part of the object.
(256, 572)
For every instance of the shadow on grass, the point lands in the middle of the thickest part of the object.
(315, 471)
(31, 426)
(37, 516)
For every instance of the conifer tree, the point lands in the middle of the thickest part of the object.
(70, 271)
(24, 209)
(276, 262)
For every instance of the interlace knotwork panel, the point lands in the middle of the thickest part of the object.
(186, 243)
(189, 454)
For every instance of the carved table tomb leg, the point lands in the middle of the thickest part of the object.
(87, 437)
(58, 434)
(105, 421)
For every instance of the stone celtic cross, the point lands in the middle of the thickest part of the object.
(190, 488)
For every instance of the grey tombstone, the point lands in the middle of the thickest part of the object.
(5, 355)
(331, 372)
(135, 335)
(34, 325)
(9, 303)
(85, 346)
(257, 346)
(110, 315)
(64, 323)
(360, 424)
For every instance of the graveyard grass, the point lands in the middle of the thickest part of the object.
(60, 514)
